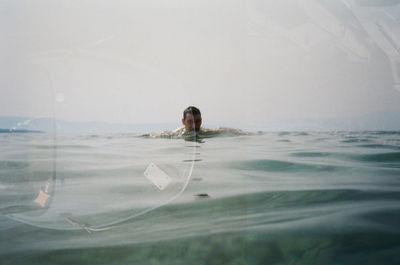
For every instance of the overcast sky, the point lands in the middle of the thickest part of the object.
(238, 61)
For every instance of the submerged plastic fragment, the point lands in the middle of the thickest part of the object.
(98, 178)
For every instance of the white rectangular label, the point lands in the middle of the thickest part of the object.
(157, 176)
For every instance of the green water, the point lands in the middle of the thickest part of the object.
(272, 198)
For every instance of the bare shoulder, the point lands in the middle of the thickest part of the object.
(179, 130)
(232, 130)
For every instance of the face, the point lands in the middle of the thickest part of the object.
(191, 122)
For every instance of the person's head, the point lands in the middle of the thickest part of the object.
(191, 118)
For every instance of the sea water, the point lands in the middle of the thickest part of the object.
(267, 198)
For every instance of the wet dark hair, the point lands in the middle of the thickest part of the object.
(191, 109)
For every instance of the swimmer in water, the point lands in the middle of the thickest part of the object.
(191, 122)
(191, 119)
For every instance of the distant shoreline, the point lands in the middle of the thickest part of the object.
(374, 121)
(19, 131)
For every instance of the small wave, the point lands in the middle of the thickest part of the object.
(301, 134)
(355, 140)
(379, 146)
(278, 165)
(311, 154)
(13, 165)
(385, 132)
(203, 133)
(381, 157)
(74, 147)
(43, 146)
(59, 146)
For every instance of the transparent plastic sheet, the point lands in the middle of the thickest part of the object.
(94, 179)
(356, 26)
(28, 168)
(57, 186)
(96, 202)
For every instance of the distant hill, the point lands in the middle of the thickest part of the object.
(378, 121)
(18, 131)
(27, 124)
(51, 125)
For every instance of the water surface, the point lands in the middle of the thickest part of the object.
(269, 198)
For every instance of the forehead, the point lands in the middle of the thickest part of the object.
(190, 116)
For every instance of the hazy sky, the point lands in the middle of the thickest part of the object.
(238, 61)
